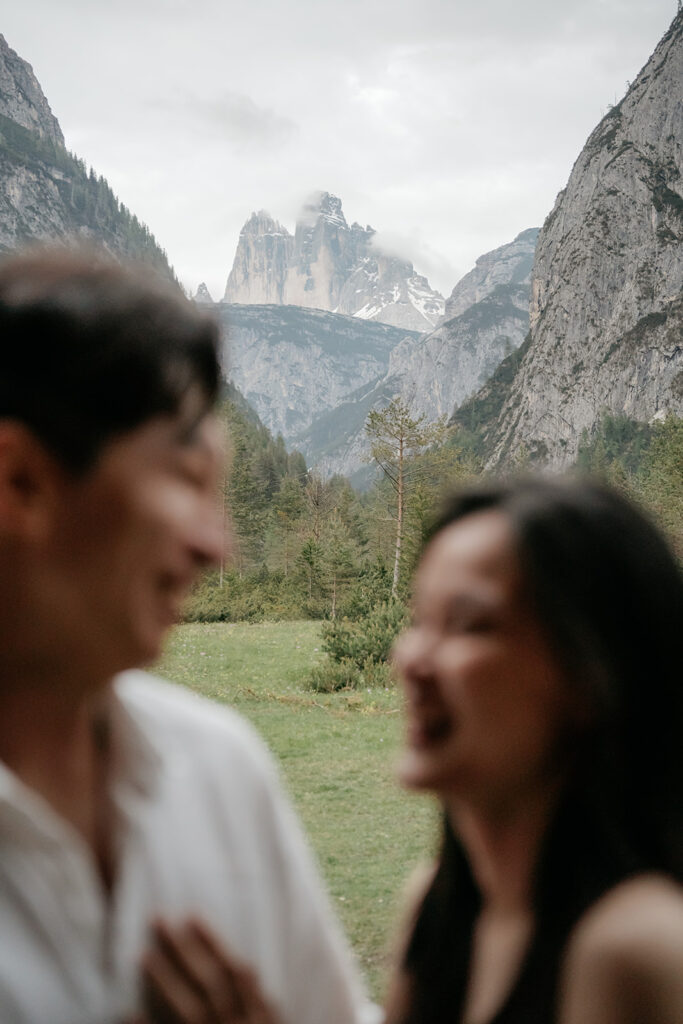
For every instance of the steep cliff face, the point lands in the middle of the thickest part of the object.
(293, 364)
(607, 302)
(329, 265)
(260, 267)
(46, 194)
(21, 98)
(325, 252)
(433, 373)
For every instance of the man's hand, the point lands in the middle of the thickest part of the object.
(189, 978)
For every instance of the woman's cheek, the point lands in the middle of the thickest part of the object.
(468, 656)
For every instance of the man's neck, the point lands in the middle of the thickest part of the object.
(58, 746)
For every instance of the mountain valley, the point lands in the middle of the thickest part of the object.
(543, 336)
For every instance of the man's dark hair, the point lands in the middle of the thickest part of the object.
(608, 593)
(90, 349)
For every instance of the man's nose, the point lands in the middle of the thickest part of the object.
(213, 538)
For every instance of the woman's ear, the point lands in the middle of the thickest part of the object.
(29, 479)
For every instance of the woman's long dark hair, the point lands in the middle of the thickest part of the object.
(609, 594)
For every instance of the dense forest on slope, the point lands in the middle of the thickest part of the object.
(313, 548)
(303, 546)
(644, 460)
(53, 195)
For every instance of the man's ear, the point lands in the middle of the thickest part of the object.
(28, 483)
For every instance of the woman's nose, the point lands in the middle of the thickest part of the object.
(412, 654)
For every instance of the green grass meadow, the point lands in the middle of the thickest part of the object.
(337, 753)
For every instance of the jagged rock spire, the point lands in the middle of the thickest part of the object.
(328, 265)
(203, 295)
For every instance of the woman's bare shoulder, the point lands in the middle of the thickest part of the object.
(641, 914)
(625, 958)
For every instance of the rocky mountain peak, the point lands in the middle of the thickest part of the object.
(330, 266)
(326, 206)
(261, 223)
(21, 98)
(203, 295)
(510, 264)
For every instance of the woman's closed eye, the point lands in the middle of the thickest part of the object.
(470, 624)
(467, 616)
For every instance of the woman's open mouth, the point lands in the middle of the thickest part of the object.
(425, 730)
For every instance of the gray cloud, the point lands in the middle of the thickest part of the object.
(233, 118)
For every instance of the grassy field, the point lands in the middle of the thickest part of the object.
(337, 754)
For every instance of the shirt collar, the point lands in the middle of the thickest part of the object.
(137, 752)
(136, 765)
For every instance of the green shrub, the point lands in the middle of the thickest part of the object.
(208, 605)
(257, 597)
(378, 675)
(332, 676)
(365, 640)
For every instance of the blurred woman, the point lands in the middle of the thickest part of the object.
(544, 706)
(544, 694)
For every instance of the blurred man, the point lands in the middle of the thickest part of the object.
(122, 798)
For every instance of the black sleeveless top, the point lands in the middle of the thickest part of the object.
(581, 861)
(533, 997)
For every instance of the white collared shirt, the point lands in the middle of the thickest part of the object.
(204, 829)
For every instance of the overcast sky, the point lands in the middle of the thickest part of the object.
(449, 126)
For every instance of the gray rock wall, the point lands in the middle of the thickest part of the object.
(293, 364)
(260, 266)
(606, 305)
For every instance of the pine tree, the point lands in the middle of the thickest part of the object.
(660, 484)
(320, 500)
(339, 562)
(309, 563)
(287, 508)
(394, 435)
(246, 503)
